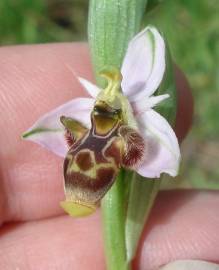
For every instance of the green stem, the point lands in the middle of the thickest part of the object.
(112, 23)
(114, 214)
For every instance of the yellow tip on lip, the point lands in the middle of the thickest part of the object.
(76, 209)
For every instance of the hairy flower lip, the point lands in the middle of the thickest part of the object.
(142, 70)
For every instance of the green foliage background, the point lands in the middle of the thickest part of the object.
(192, 30)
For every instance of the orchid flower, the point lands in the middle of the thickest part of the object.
(116, 127)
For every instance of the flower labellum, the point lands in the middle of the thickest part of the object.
(116, 128)
(96, 154)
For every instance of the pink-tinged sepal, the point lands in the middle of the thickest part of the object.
(144, 64)
(48, 130)
(162, 153)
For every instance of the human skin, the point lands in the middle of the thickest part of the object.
(35, 233)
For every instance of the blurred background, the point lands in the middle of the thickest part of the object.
(192, 30)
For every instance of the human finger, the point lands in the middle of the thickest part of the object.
(176, 230)
(34, 80)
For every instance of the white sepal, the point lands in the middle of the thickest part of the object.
(144, 64)
(162, 148)
(48, 130)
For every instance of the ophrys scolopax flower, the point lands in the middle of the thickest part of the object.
(117, 127)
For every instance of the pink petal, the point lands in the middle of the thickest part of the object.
(143, 105)
(144, 64)
(91, 88)
(162, 148)
(48, 130)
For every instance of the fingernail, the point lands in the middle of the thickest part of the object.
(190, 265)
